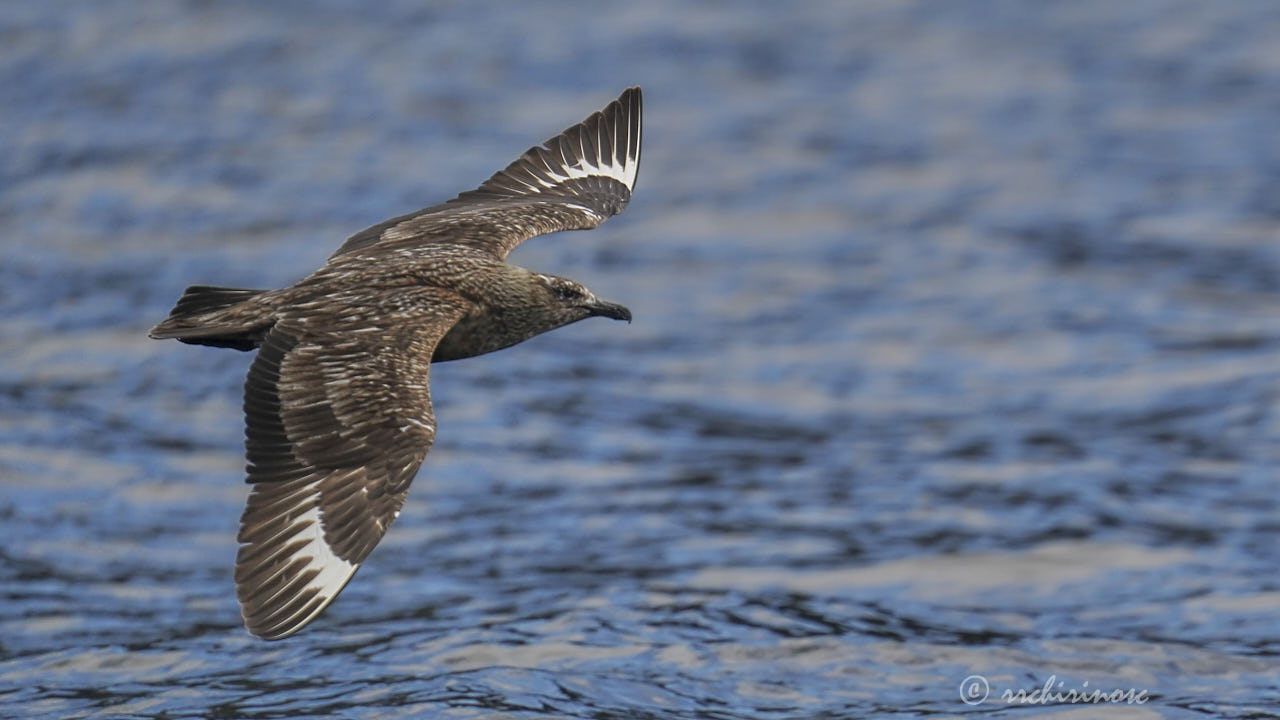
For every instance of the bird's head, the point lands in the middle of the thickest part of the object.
(571, 301)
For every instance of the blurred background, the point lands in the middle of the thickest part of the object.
(956, 352)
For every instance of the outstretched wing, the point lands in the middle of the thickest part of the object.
(339, 418)
(574, 181)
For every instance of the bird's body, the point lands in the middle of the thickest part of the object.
(337, 402)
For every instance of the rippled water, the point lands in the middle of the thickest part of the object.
(957, 352)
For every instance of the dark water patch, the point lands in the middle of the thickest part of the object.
(1199, 261)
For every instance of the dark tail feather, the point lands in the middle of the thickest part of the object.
(199, 299)
(197, 319)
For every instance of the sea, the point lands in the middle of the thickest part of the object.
(952, 391)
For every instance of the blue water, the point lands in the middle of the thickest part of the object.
(956, 353)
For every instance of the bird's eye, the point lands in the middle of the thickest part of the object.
(568, 292)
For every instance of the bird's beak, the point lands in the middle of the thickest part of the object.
(610, 310)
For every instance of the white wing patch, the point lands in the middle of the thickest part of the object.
(623, 168)
(563, 159)
(333, 572)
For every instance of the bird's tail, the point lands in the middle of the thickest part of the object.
(217, 316)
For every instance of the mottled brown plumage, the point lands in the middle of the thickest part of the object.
(337, 405)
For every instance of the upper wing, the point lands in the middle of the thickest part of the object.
(574, 181)
(339, 418)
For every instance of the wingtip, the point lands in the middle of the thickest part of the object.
(632, 96)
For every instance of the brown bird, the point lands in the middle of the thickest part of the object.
(337, 405)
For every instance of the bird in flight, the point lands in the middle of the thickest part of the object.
(337, 405)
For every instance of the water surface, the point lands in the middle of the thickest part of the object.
(956, 352)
